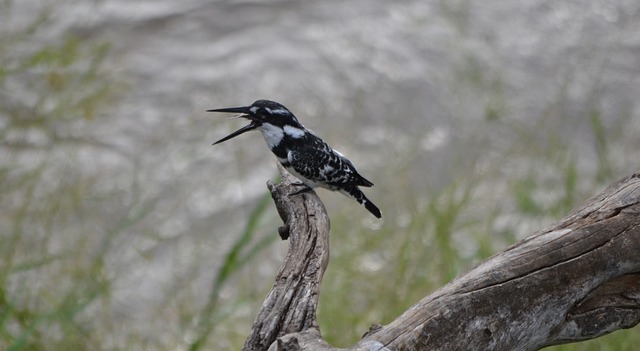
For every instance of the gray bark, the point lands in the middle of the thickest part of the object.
(575, 280)
(291, 305)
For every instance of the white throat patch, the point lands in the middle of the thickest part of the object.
(271, 134)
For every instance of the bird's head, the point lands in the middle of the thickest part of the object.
(260, 113)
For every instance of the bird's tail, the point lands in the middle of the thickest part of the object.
(358, 195)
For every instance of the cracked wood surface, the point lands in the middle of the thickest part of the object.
(528, 296)
(575, 280)
(291, 305)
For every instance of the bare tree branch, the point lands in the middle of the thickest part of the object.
(291, 305)
(575, 280)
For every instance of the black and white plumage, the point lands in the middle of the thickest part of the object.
(301, 152)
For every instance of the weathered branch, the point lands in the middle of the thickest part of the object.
(291, 305)
(576, 280)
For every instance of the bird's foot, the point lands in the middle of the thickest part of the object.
(303, 190)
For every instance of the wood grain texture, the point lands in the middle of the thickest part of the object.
(291, 305)
(575, 280)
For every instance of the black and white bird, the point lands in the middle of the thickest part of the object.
(301, 152)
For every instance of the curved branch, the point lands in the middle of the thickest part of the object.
(291, 305)
(529, 296)
(575, 280)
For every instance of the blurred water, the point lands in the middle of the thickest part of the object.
(374, 78)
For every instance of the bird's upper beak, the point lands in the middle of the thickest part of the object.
(244, 112)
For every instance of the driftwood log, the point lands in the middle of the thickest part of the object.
(575, 280)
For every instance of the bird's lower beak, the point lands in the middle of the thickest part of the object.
(251, 126)
(245, 112)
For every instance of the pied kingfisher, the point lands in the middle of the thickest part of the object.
(301, 152)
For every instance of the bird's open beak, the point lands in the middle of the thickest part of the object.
(242, 130)
(244, 112)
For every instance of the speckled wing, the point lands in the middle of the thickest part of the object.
(319, 163)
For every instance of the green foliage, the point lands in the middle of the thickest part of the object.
(55, 289)
(244, 251)
(377, 272)
(43, 92)
(55, 244)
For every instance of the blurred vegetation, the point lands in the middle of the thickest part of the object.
(65, 218)
(244, 251)
(494, 201)
(464, 223)
(55, 241)
(46, 283)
